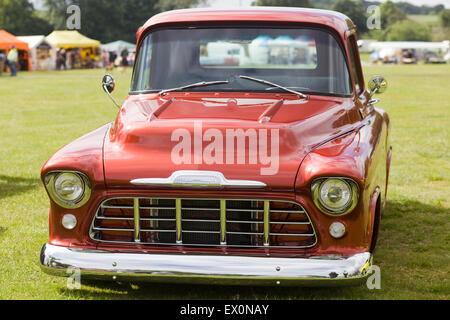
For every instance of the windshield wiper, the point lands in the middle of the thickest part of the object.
(274, 85)
(194, 85)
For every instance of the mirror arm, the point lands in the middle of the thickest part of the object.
(374, 101)
(374, 91)
(110, 96)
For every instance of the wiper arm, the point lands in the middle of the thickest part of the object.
(274, 85)
(194, 85)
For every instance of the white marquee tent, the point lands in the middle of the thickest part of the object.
(42, 53)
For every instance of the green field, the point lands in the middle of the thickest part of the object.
(428, 19)
(41, 112)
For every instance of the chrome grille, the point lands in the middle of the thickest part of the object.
(203, 222)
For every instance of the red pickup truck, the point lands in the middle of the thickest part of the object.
(248, 151)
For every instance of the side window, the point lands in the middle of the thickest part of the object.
(355, 65)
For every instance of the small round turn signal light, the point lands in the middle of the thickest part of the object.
(69, 221)
(337, 230)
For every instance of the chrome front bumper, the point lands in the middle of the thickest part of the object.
(206, 269)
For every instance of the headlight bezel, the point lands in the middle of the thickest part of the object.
(50, 180)
(349, 207)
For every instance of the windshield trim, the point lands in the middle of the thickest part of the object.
(243, 25)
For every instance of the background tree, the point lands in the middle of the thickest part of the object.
(20, 18)
(406, 31)
(355, 11)
(323, 4)
(56, 13)
(109, 20)
(390, 14)
(444, 17)
(410, 8)
(284, 3)
(165, 5)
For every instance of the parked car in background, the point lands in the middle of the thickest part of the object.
(271, 170)
(434, 58)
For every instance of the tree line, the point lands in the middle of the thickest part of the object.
(104, 20)
(395, 24)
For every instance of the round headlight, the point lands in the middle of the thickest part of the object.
(69, 189)
(336, 196)
(69, 186)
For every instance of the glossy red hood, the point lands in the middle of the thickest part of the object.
(155, 136)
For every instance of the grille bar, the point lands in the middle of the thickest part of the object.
(178, 220)
(248, 233)
(223, 222)
(288, 222)
(137, 223)
(157, 230)
(116, 207)
(157, 219)
(203, 222)
(292, 234)
(113, 229)
(266, 222)
(201, 209)
(247, 221)
(115, 218)
(157, 208)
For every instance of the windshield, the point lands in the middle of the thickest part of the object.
(304, 59)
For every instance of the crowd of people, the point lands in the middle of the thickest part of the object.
(75, 59)
(110, 59)
(70, 59)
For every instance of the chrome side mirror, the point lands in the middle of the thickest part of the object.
(108, 85)
(377, 84)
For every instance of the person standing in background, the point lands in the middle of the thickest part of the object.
(64, 58)
(73, 59)
(104, 58)
(58, 60)
(2, 62)
(13, 58)
(112, 59)
(124, 55)
(123, 59)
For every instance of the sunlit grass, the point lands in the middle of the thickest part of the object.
(429, 19)
(41, 112)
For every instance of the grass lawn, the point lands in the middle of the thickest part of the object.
(428, 19)
(41, 112)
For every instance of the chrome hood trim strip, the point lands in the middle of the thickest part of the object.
(198, 178)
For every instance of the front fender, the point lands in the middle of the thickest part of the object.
(357, 155)
(84, 155)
